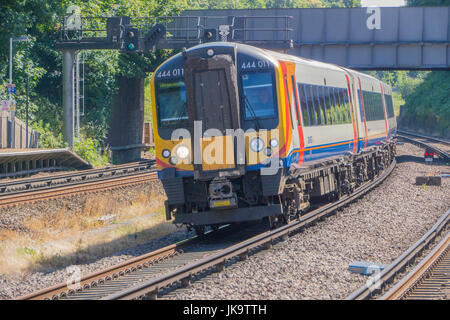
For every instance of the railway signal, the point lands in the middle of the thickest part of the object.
(152, 37)
(429, 156)
(210, 35)
(131, 39)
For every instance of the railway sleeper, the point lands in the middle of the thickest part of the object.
(186, 282)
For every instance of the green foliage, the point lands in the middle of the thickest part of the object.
(26, 251)
(428, 106)
(417, 3)
(88, 149)
(47, 138)
(39, 64)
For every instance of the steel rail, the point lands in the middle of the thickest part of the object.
(388, 274)
(150, 288)
(62, 289)
(78, 187)
(425, 268)
(436, 150)
(443, 141)
(84, 175)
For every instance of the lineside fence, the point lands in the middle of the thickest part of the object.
(19, 141)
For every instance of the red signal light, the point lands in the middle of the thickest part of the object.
(426, 154)
(431, 154)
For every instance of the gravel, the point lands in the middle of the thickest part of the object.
(11, 218)
(13, 286)
(312, 264)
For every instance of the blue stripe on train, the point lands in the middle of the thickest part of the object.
(309, 155)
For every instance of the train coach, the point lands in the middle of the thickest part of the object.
(243, 133)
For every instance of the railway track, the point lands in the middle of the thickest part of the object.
(61, 185)
(382, 280)
(438, 146)
(179, 264)
(386, 277)
(430, 280)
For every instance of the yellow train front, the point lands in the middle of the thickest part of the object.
(218, 123)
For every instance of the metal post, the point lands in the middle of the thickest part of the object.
(77, 94)
(10, 61)
(68, 62)
(11, 114)
(26, 139)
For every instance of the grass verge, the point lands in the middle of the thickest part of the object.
(101, 227)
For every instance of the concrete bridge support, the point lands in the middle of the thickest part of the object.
(68, 96)
(127, 120)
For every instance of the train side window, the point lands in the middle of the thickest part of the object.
(331, 104)
(323, 106)
(304, 104)
(314, 105)
(360, 99)
(349, 112)
(336, 106)
(389, 105)
(326, 104)
(373, 106)
(344, 107)
(320, 105)
(369, 108)
(339, 98)
(311, 107)
(380, 108)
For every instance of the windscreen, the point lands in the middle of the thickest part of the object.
(171, 102)
(258, 91)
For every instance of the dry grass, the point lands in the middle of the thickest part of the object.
(65, 237)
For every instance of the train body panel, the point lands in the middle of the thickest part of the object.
(225, 112)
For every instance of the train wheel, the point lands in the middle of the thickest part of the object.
(199, 230)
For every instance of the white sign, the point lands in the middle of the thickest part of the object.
(224, 31)
(8, 105)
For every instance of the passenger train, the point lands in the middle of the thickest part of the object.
(243, 133)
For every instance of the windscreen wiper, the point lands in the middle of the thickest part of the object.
(252, 111)
(183, 114)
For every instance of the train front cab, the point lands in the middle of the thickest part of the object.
(220, 186)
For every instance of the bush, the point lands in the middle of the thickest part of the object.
(47, 139)
(89, 150)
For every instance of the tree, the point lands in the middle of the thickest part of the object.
(417, 3)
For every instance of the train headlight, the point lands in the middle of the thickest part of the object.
(273, 143)
(182, 152)
(166, 153)
(256, 144)
(268, 152)
(173, 160)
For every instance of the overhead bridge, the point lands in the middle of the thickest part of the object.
(413, 38)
